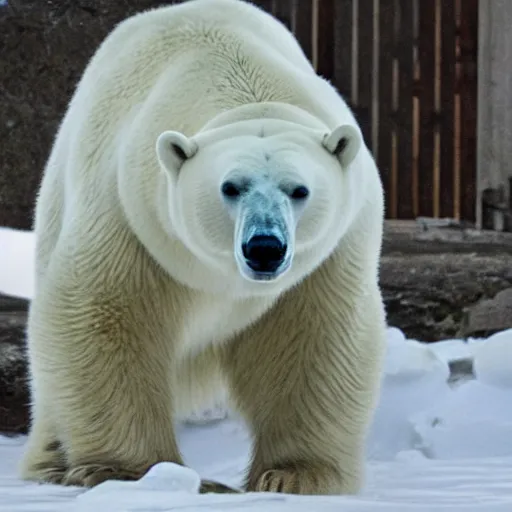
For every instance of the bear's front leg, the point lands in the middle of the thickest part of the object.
(306, 378)
(101, 359)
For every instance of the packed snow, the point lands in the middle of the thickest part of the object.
(433, 446)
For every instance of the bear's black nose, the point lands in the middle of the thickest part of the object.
(264, 253)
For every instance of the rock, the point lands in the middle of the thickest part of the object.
(461, 370)
(14, 392)
(488, 315)
(8, 303)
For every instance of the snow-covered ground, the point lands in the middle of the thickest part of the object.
(432, 447)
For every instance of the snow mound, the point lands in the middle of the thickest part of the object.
(17, 252)
(493, 361)
(409, 359)
(474, 420)
(413, 374)
(164, 476)
(452, 350)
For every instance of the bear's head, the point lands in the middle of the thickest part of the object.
(265, 200)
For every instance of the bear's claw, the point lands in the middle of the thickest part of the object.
(312, 481)
(93, 474)
(279, 480)
(47, 474)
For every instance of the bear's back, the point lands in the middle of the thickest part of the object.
(159, 66)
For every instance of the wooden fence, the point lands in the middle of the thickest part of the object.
(408, 68)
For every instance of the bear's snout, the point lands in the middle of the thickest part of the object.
(264, 253)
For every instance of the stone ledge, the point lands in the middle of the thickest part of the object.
(434, 236)
(14, 392)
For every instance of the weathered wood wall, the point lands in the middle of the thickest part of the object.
(495, 115)
(409, 70)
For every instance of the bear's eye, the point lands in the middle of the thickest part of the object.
(300, 192)
(229, 189)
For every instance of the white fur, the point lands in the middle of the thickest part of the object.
(139, 297)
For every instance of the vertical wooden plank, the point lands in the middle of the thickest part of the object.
(302, 24)
(426, 52)
(264, 4)
(365, 68)
(416, 111)
(468, 97)
(282, 10)
(325, 38)
(456, 115)
(447, 134)
(386, 124)
(343, 29)
(405, 41)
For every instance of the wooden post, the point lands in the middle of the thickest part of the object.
(494, 158)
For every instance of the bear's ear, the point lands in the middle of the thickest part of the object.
(172, 149)
(343, 142)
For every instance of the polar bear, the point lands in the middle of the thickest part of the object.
(209, 219)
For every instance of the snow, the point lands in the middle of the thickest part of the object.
(493, 360)
(432, 446)
(17, 262)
